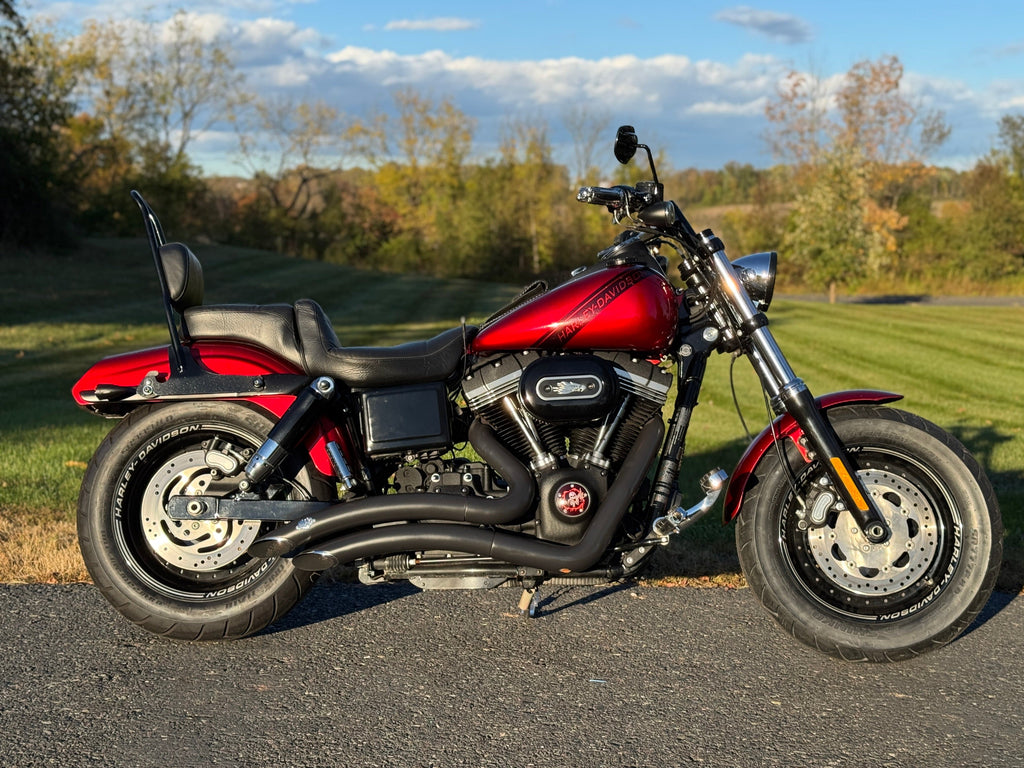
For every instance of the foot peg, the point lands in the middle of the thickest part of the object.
(712, 484)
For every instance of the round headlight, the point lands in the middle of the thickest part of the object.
(757, 274)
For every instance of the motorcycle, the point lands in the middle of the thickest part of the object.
(257, 451)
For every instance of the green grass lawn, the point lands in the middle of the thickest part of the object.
(961, 367)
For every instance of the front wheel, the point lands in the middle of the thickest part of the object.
(836, 591)
(185, 579)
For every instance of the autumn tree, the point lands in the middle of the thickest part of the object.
(526, 151)
(34, 105)
(867, 137)
(992, 234)
(588, 130)
(838, 232)
(292, 149)
(419, 153)
(797, 121)
(157, 84)
(147, 90)
(1011, 145)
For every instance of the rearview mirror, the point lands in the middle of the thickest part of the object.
(625, 144)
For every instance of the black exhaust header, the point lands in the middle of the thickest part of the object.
(512, 548)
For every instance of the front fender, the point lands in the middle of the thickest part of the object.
(786, 426)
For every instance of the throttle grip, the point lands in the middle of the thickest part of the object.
(613, 197)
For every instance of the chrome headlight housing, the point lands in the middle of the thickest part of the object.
(756, 273)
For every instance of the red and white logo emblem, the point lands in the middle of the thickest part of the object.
(572, 499)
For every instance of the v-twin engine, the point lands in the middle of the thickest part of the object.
(572, 418)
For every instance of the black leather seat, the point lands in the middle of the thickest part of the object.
(270, 326)
(302, 334)
(417, 361)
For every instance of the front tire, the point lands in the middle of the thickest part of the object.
(835, 591)
(190, 580)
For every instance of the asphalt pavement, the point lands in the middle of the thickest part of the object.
(389, 676)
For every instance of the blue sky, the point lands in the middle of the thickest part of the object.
(692, 76)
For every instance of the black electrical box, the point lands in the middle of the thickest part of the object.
(399, 420)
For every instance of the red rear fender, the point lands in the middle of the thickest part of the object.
(127, 371)
(785, 426)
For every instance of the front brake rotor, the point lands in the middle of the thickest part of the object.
(856, 565)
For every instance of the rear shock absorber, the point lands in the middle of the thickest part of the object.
(287, 433)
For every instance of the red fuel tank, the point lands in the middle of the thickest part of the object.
(629, 307)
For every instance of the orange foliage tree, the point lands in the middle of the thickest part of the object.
(858, 146)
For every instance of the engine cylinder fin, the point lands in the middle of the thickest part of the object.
(645, 384)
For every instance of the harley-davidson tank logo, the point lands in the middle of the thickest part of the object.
(583, 387)
(575, 320)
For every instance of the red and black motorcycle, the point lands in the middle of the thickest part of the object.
(257, 451)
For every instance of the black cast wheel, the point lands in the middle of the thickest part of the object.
(836, 591)
(184, 579)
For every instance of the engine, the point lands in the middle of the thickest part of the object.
(572, 418)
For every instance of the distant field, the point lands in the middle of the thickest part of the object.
(962, 367)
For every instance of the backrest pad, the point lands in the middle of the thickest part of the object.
(184, 276)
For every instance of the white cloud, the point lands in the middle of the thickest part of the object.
(264, 42)
(703, 112)
(685, 101)
(441, 24)
(1007, 51)
(278, 34)
(610, 81)
(729, 109)
(207, 26)
(781, 27)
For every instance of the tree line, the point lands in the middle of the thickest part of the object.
(852, 200)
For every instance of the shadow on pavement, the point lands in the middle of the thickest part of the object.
(333, 600)
(330, 601)
(996, 604)
(547, 606)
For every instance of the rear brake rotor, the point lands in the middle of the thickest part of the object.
(192, 545)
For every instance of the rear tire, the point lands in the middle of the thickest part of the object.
(832, 589)
(186, 580)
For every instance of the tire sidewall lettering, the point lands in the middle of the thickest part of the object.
(140, 457)
(947, 577)
(252, 578)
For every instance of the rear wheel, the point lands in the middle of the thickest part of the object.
(184, 579)
(836, 591)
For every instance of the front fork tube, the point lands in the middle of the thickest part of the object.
(790, 394)
(826, 446)
(793, 397)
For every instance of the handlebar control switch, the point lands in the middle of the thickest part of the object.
(654, 191)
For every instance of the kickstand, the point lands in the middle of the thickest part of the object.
(528, 602)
